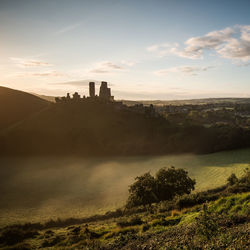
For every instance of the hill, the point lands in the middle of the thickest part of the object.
(94, 128)
(45, 97)
(85, 128)
(213, 219)
(17, 105)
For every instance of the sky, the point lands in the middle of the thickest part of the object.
(145, 49)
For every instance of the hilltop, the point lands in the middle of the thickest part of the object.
(17, 105)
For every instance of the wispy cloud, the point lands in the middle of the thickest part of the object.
(161, 49)
(105, 67)
(52, 73)
(231, 43)
(187, 70)
(80, 83)
(128, 63)
(108, 67)
(68, 28)
(24, 62)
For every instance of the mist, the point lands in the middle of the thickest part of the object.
(39, 189)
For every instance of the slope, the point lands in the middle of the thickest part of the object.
(88, 129)
(17, 105)
(97, 128)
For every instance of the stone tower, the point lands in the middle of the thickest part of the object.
(105, 92)
(91, 89)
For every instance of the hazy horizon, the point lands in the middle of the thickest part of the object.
(133, 97)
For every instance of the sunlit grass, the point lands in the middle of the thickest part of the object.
(39, 189)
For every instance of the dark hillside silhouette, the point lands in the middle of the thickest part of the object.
(94, 128)
(84, 128)
(98, 125)
(17, 105)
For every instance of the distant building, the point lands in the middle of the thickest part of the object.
(76, 97)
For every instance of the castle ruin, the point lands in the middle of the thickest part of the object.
(104, 94)
(105, 98)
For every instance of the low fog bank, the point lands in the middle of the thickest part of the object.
(38, 189)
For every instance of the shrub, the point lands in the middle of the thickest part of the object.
(206, 224)
(166, 222)
(145, 227)
(246, 177)
(13, 235)
(195, 199)
(131, 222)
(232, 179)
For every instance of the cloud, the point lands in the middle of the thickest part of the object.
(105, 67)
(212, 40)
(52, 73)
(238, 49)
(68, 28)
(23, 62)
(80, 83)
(128, 63)
(231, 43)
(161, 49)
(188, 70)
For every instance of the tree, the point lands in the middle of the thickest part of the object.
(165, 186)
(143, 191)
(172, 182)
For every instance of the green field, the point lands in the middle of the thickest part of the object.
(38, 189)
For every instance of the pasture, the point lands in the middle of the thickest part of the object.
(39, 189)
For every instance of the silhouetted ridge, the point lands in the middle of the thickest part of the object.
(17, 105)
(98, 125)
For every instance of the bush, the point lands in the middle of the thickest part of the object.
(145, 227)
(14, 235)
(131, 222)
(206, 224)
(246, 177)
(195, 199)
(166, 222)
(232, 179)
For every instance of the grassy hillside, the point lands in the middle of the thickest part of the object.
(16, 105)
(77, 187)
(220, 224)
